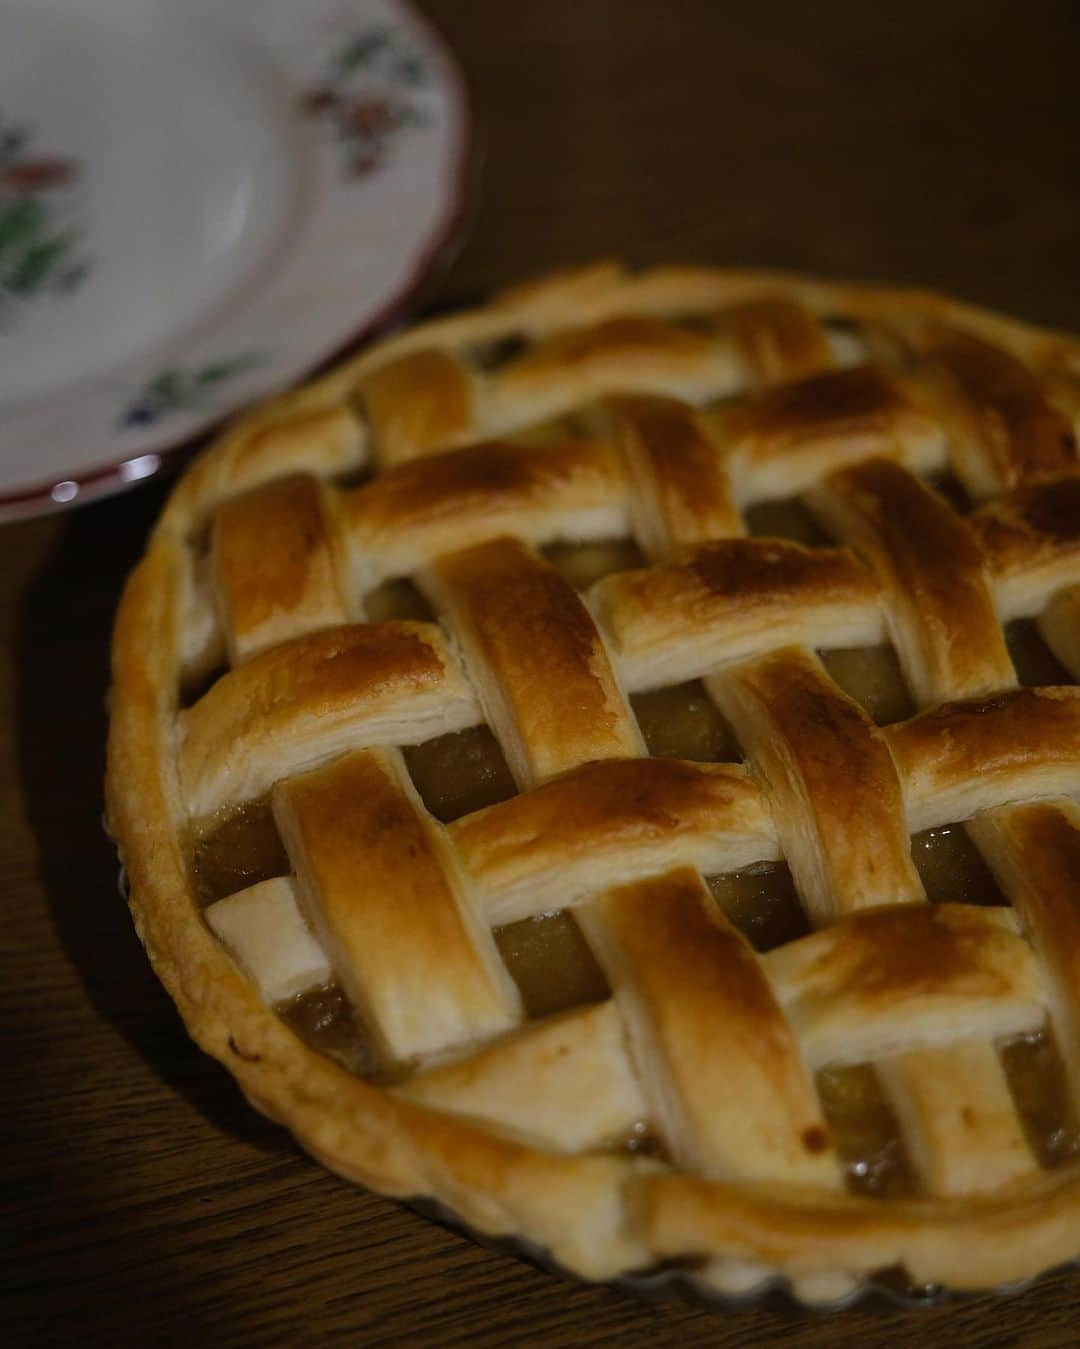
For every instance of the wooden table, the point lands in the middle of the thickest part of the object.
(147, 1203)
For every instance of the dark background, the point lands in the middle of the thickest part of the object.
(145, 1202)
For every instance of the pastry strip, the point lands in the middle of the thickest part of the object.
(388, 903)
(541, 670)
(719, 1067)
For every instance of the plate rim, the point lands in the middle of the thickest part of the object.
(116, 475)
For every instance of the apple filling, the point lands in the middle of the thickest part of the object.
(761, 901)
(683, 722)
(551, 963)
(461, 772)
(952, 869)
(235, 848)
(1037, 1080)
(866, 1132)
(323, 1018)
(584, 563)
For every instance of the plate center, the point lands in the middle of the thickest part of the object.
(145, 179)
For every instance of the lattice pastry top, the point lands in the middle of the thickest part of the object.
(604, 761)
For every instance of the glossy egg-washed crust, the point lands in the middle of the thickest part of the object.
(602, 332)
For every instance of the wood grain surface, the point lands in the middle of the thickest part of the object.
(144, 1202)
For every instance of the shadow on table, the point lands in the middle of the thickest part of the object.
(62, 659)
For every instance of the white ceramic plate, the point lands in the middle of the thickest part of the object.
(200, 201)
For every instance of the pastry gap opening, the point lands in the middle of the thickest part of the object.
(194, 683)
(567, 426)
(846, 339)
(899, 1282)
(841, 323)
(582, 564)
(1037, 1079)
(866, 1132)
(708, 322)
(1036, 665)
(460, 772)
(785, 518)
(762, 902)
(682, 722)
(719, 405)
(551, 963)
(234, 848)
(200, 537)
(325, 1021)
(400, 599)
(872, 676)
(355, 477)
(641, 1141)
(947, 485)
(496, 352)
(952, 869)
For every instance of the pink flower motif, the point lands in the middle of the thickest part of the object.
(319, 101)
(34, 175)
(370, 116)
(364, 102)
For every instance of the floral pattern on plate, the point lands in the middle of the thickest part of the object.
(180, 389)
(370, 97)
(323, 149)
(40, 249)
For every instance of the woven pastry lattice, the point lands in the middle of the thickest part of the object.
(704, 1103)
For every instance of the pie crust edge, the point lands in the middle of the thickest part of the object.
(588, 1212)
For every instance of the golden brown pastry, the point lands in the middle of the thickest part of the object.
(608, 762)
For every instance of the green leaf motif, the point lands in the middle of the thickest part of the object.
(367, 100)
(362, 51)
(220, 371)
(167, 386)
(37, 264)
(410, 70)
(20, 223)
(176, 389)
(38, 250)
